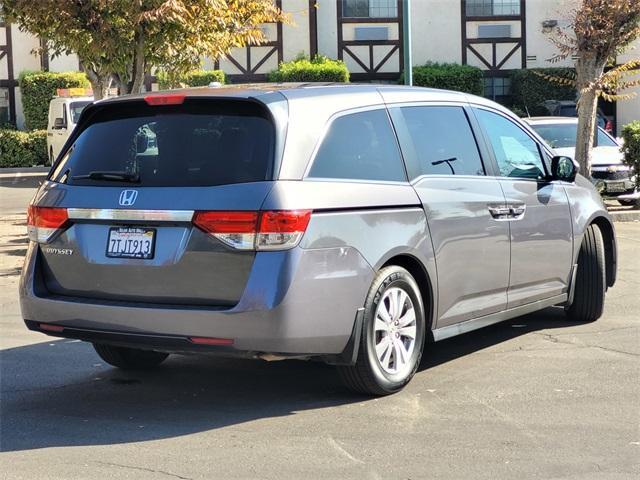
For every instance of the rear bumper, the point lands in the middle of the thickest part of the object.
(296, 302)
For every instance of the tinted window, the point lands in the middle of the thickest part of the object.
(442, 141)
(563, 135)
(359, 146)
(515, 151)
(199, 145)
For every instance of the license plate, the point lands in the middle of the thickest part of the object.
(131, 242)
(615, 187)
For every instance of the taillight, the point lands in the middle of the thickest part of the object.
(164, 99)
(236, 229)
(44, 222)
(609, 126)
(274, 230)
(281, 230)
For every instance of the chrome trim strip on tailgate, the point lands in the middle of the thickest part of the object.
(133, 215)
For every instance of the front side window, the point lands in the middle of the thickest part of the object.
(516, 152)
(359, 146)
(492, 8)
(442, 141)
(370, 8)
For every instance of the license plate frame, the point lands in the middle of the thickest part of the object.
(131, 251)
(615, 187)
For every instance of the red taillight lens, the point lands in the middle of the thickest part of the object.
(285, 221)
(44, 222)
(47, 217)
(609, 126)
(273, 230)
(170, 99)
(227, 222)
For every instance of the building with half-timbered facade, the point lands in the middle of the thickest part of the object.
(497, 36)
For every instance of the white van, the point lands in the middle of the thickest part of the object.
(64, 111)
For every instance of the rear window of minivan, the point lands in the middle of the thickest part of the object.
(198, 143)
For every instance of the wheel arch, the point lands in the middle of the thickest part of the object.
(420, 274)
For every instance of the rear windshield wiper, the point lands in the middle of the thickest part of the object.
(111, 176)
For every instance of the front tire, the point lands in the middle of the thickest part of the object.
(393, 334)
(588, 299)
(129, 358)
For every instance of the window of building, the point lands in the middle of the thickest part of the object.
(516, 152)
(496, 88)
(4, 106)
(492, 8)
(370, 8)
(441, 142)
(360, 146)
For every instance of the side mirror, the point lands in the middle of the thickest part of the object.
(142, 143)
(58, 123)
(563, 168)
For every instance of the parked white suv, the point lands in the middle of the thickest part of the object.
(64, 111)
(612, 177)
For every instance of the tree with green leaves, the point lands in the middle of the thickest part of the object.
(119, 40)
(598, 32)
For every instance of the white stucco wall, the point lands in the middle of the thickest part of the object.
(538, 43)
(295, 36)
(436, 31)
(328, 28)
(64, 63)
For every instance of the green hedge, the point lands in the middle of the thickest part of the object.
(529, 89)
(23, 149)
(449, 76)
(38, 88)
(631, 147)
(316, 69)
(195, 78)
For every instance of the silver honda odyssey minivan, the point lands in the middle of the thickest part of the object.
(348, 224)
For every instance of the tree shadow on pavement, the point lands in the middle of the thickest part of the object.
(60, 393)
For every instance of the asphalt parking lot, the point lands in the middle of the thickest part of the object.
(535, 397)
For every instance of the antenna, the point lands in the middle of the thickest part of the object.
(527, 110)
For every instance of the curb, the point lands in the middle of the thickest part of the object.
(626, 216)
(25, 170)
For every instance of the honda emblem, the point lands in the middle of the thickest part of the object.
(128, 197)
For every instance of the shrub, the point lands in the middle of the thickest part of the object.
(316, 69)
(38, 88)
(449, 76)
(631, 147)
(529, 88)
(195, 78)
(23, 149)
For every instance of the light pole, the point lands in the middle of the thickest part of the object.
(406, 41)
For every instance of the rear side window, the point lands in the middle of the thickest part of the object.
(360, 146)
(200, 144)
(440, 141)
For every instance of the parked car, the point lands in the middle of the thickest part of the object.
(64, 112)
(614, 179)
(349, 224)
(568, 108)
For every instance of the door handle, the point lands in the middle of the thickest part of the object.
(499, 212)
(517, 210)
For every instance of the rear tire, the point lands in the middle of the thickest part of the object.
(588, 299)
(630, 203)
(129, 358)
(388, 357)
